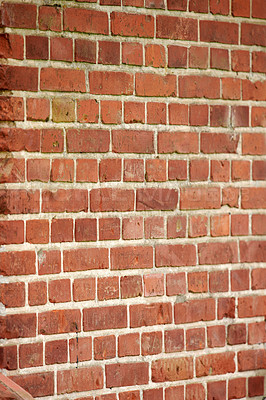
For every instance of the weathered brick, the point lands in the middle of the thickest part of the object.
(174, 369)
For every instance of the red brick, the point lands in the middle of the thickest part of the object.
(109, 53)
(18, 326)
(172, 369)
(226, 308)
(253, 197)
(178, 114)
(49, 262)
(62, 80)
(231, 196)
(194, 311)
(169, 27)
(133, 170)
(115, 83)
(124, 24)
(111, 112)
(102, 318)
(178, 142)
(175, 284)
(109, 229)
(79, 380)
(19, 201)
(132, 395)
(250, 360)
(11, 232)
(220, 170)
(219, 142)
(108, 288)
(199, 86)
(84, 289)
(85, 51)
(219, 58)
(150, 314)
(17, 263)
(155, 85)
(258, 224)
(106, 199)
(241, 8)
(39, 384)
(154, 227)
(195, 391)
(195, 339)
(156, 113)
(239, 225)
(216, 390)
(104, 347)
(11, 46)
(258, 278)
(52, 141)
(251, 306)
(258, 10)
(218, 253)
(219, 116)
(80, 350)
(240, 116)
(253, 90)
(85, 21)
(256, 332)
(151, 343)
(252, 34)
(199, 170)
(155, 170)
(86, 170)
(50, 18)
(236, 334)
(231, 88)
(240, 280)
(130, 141)
(131, 257)
(177, 170)
(8, 357)
(59, 321)
(258, 116)
(198, 6)
(132, 53)
(59, 291)
(156, 199)
(56, 352)
(259, 170)
(240, 170)
(134, 112)
(38, 170)
(175, 393)
(85, 259)
(38, 109)
(175, 255)
(11, 109)
(12, 294)
(72, 200)
(62, 171)
(155, 55)
(85, 229)
(220, 225)
(196, 198)
(198, 114)
(217, 7)
(132, 228)
(176, 226)
(110, 170)
(198, 226)
(63, 110)
(18, 78)
(153, 285)
(236, 388)
(61, 49)
(153, 394)
(180, 5)
(129, 345)
(255, 386)
(215, 364)
(198, 57)
(198, 282)
(177, 57)
(130, 286)
(130, 374)
(258, 61)
(240, 60)
(19, 15)
(253, 143)
(216, 336)
(218, 31)
(37, 293)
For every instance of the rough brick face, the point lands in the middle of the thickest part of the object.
(132, 199)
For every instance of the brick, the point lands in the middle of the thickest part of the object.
(241, 8)
(175, 284)
(198, 114)
(218, 31)
(155, 170)
(56, 352)
(111, 112)
(87, 111)
(38, 170)
(255, 386)
(198, 57)
(240, 61)
(258, 116)
(195, 339)
(79, 380)
(109, 229)
(220, 225)
(154, 227)
(59, 291)
(132, 395)
(236, 388)
(219, 116)
(11, 109)
(176, 226)
(129, 345)
(218, 253)
(108, 288)
(175, 393)
(199, 86)
(50, 18)
(19, 15)
(62, 170)
(18, 78)
(177, 57)
(197, 282)
(177, 170)
(101, 318)
(106, 199)
(256, 332)
(178, 142)
(258, 278)
(240, 116)
(216, 7)
(198, 6)
(257, 9)
(37, 47)
(131, 141)
(63, 110)
(218, 281)
(219, 142)
(130, 286)
(110, 170)
(258, 61)
(153, 394)
(215, 364)
(155, 55)
(85, 229)
(240, 170)
(132, 228)
(219, 59)
(258, 224)
(259, 170)
(130, 374)
(38, 109)
(249, 360)
(236, 334)
(251, 306)
(194, 311)
(169, 27)
(239, 280)
(239, 225)
(253, 197)
(195, 198)
(230, 196)
(11, 232)
(131, 257)
(226, 308)
(18, 326)
(52, 141)
(8, 355)
(216, 336)
(253, 90)
(151, 343)
(104, 347)
(199, 170)
(124, 24)
(72, 200)
(37, 293)
(62, 80)
(11, 46)
(19, 201)
(252, 34)
(86, 170)
(134, 112)
(216, 390)
(175, 255)
(17, 263)
(84, 289)
(109, 53)
(156, 113)
(39, 384)
(178, 114)
(150, 314)
(253, 143)
(132, 53)
(85, 21)
(133, 170)
(198, 226)
(80, 350)
(12, 294)
(231, 88)
(85, 259)
(59, 321)
(180, 5)
(174, 369)
(156, 199)
(174, 340)
(153, 285)
(85, 51)
(49, 262)
(150, 85)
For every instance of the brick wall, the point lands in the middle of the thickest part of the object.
(132, 198)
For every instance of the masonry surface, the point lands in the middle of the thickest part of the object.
(132, 199)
